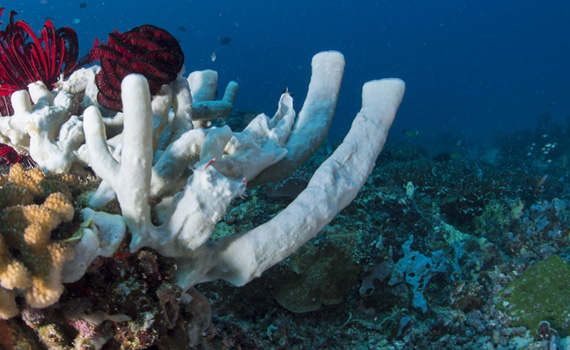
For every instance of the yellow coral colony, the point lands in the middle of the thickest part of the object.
(29, 260)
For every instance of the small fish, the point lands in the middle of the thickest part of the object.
(456, 155)
(213, 57)
(413, 134)
(182, 28)
(76, 21)
(542, 180)
(226, 40)
(82, 5)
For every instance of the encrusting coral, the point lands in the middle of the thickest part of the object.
(29, 259)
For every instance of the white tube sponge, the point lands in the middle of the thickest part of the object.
(240, 258)
(182, 106)
(203, 85)
(195, 211)
(314, 120)
(130, 179)
(14, 130)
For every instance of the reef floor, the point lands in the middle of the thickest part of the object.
(447, 246)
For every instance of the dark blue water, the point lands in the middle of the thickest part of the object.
(472, 68)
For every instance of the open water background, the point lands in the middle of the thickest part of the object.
(472, 68)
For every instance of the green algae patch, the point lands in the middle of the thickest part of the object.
(542, 293)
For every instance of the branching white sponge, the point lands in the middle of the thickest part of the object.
(221, 162)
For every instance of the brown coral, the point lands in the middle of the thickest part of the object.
(29, 259)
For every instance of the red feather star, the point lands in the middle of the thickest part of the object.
(26, 58)
(147, 50)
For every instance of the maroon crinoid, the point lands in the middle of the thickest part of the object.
(147, 50)
(25, 59)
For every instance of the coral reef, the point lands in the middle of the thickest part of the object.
(484, 258)
(172, 178)
(438, 250)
